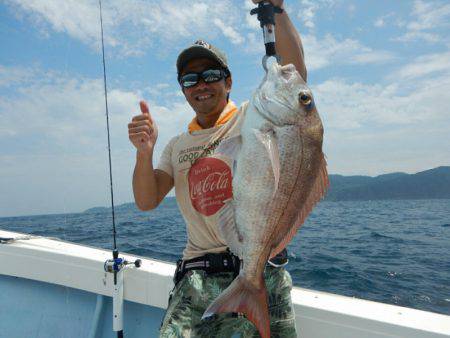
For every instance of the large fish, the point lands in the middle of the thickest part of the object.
(280, 174)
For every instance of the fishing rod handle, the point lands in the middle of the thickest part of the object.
(266, 16)
(118, 302)
(266, 13)
(269, 39)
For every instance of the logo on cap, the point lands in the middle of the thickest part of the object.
(202, 43)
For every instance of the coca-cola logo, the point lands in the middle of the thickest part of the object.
(209, 185)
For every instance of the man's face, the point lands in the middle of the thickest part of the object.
(206, 98)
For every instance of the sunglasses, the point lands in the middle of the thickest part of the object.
(209, 76)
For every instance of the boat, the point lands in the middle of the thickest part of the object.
(54, 288)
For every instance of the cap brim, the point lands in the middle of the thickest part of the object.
(196, 52)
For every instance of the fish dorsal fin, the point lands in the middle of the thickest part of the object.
(268, 139)
(318, 190)
(228, 229)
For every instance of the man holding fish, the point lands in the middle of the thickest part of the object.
(245, 179)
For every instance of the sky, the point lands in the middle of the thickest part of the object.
(379, 71)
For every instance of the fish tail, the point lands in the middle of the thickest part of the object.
(243, 297)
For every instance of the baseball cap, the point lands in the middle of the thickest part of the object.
(201, 49)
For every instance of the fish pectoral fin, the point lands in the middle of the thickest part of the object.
(269, 140)
(230, 146)
(229, 230)
(241, 297)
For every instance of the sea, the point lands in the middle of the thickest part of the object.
(395, 252)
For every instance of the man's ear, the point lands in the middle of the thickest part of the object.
(228, 83)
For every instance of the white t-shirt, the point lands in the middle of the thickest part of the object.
(202, 181)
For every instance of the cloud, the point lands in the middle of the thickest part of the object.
(53, 136)
(351, 106)
(132, 27)
(307, 10)
(58, 108)
(415, 93)
(427, 18)
(251, 21)
(413, 99)
(351, 9)
(379, 22)
(429, 15)
(321, 53)
(382, 20)
(425, 65)
(418, 35)
(229, 32)
(80, 19)
(400, 125)
(368, 55)
(10, 76)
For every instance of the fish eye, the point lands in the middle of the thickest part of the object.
(305, 98)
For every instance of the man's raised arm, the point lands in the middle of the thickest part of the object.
(287, 40)
(150, 186)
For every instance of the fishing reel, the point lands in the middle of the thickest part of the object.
(266, 17)
(117, 264)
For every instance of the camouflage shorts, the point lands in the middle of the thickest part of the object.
(192, 295)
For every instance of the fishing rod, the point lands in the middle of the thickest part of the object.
(266, 15)
(116, 265)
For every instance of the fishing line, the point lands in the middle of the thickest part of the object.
(64, 198)
(65, 157)
(116, 265)
(107, 128)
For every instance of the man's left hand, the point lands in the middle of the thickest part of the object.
(276, 3)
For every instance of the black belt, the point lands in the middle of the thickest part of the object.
(220, 262)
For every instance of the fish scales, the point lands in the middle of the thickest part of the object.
(257, 210)
(280, 174)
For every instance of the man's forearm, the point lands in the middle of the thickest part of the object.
(288, 43)
(145, 188)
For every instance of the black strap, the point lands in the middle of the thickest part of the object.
(280, 260)
(210, 263)
(266, 13)
(221, 262)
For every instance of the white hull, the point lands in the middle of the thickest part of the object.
(61, 286)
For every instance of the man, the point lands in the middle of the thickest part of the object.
(202, 181)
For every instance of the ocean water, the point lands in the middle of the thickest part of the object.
(395, 252)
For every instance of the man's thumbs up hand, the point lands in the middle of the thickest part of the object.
(142, 131)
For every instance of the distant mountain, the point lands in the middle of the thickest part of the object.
(429, 184)
(120, 207)
(168, 202)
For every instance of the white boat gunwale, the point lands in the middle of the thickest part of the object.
(81, 267)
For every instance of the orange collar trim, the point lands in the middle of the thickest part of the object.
(225, 116)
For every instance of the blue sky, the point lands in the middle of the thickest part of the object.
(380, 72)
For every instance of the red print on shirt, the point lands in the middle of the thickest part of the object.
(209, 185)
